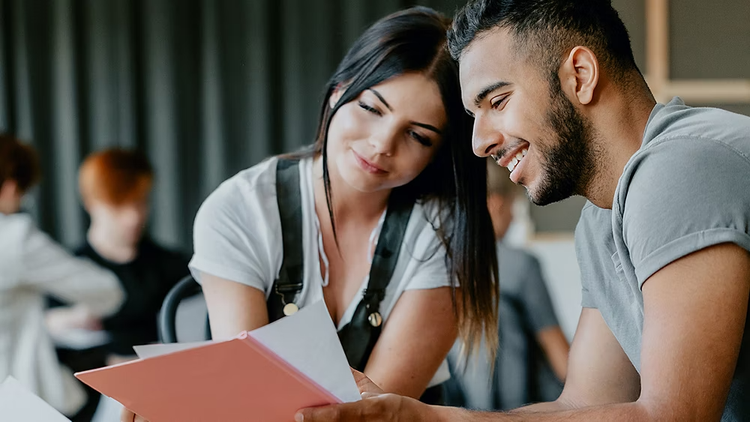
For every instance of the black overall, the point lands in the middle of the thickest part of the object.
(359, 336)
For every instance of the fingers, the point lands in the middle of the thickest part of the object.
(336, 413)
(365, 385)
(385, 407)
(128, 416)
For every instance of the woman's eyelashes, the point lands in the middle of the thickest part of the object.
(421, 139)
(413, 134)
(369, 108)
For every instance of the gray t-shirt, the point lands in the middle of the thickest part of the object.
(522, 374)
(687, 188)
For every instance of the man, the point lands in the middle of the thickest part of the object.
(662, 245)
(115, 186)
(533, 356)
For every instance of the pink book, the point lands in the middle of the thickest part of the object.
(235, 380)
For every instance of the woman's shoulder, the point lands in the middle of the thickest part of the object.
(250, 185)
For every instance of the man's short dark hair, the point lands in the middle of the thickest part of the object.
(546, 30)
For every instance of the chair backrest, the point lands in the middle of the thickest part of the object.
(167, 324)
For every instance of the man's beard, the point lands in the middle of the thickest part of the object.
(569, 163)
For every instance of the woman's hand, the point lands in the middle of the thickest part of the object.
(367, 388)
(128, 416)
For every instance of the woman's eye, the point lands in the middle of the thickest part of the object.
(421, 139)
(372, 110)
(499, 102)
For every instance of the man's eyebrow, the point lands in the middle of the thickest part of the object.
(488, 90)
(380, 97)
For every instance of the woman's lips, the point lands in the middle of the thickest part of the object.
(367, 165)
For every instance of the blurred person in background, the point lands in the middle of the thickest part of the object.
(531, 363)
(115, 185)
(31, 266)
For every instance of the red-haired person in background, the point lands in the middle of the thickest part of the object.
(31, 266)
(115, 186)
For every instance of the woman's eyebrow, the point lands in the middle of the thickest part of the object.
(380, 97)
(424, 125)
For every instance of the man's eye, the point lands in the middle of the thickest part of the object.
(499, 102)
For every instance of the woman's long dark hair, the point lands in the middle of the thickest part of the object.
(414, 40)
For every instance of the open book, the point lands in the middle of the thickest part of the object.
(263, 375)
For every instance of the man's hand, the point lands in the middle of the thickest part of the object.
(375, 408)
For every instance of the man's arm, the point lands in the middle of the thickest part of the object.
(687, 359)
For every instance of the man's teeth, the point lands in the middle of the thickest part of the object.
(514, 162)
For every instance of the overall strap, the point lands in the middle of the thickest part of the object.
(387, 251)
(289, 200)
(359, 336)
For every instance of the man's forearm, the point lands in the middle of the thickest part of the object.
(614, 412)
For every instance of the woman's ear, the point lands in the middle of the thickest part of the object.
(336, 95)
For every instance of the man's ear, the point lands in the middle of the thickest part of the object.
(579, 74)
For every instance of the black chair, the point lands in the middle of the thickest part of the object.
(167, 324)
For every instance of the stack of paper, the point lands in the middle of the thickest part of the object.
(264, 375)
(18, 404)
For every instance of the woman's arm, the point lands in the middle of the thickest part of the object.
(233, 307)
(416, 338)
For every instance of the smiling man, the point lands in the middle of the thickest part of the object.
(663, 242)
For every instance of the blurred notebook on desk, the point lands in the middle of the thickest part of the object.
(264, 375)
(18, 404)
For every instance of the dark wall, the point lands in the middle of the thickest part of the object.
(209, 87)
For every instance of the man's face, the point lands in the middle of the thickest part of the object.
(524, 119)
(123, 224)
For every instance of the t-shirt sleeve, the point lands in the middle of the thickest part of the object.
(594, 245)
(536, 300)
(428, 254)
(681, 196)
(237, 233)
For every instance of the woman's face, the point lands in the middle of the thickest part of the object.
(386, 136)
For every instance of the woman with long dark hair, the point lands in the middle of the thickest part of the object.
(384, 217)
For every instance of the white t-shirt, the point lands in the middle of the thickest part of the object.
(237, 237)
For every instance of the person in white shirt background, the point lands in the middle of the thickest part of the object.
(32, 265)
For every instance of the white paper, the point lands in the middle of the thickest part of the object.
(307, 340)
(153, 350)
(18, 404)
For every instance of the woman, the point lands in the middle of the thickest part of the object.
(393, 139)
